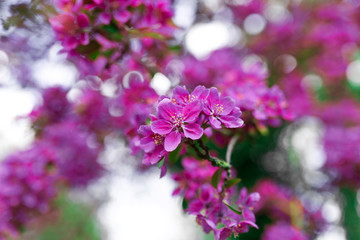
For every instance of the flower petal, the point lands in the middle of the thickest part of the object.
(224, 233)
(227, 105)
(166, 109)
(163, 171)
(145, 130)
(193, 131)
(213, 97)
(231, 121)
(147, 144)
(181, 95)
(200, 92)
(172, 141)
(214, 122)
(83, 20)
(122, 16)
(259, 114)
(191, 112)
(161, 127)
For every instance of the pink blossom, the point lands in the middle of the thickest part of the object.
(174, 122)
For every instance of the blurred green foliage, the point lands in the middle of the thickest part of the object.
(72, 221)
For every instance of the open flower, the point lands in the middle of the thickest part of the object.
(152, 144)
(222, 110)
(175, 121)
(182, 97)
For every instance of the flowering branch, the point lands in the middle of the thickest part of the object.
(203, 152)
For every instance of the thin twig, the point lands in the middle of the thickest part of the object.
(230, 148)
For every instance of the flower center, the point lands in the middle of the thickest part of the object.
(192, 98)
(157, 139)
(177, 120)
(219, 108)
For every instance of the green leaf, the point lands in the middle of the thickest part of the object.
(117, 36)
(161, 162)
(185, 204)
(175, 48)
(232, 209)
(220, 225)
(216, 178)
(111, 28)
(232, 182)
(174, 155)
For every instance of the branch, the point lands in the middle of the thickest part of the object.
(203, 152)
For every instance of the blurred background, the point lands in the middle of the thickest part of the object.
(131, 202)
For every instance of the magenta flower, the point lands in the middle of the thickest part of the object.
(182, 97)
(222, 110)
(206, 201)
(241, 227)
(223, 233)
(247, 203)
(70, 29)
(175, 121)
(152, 144)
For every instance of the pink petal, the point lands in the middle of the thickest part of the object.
(193, 131)
(166, 109)
(248, 215)
(84, 38)
(147, 144)
(161, 127)
(98, 1)
(191, 112)
(231, 121)
(213, 97)
(236, 112)
(104, 42)
(83, 20)
(146, 160)
(214, 122)
(195, 206)
(227, 104)
(249, 223)
(99, 64)
(224, 233)
(207, 108)
(181, 95)
(172, 141)
(122, 16)
(145, 130)
(200, 92)
(157, 155)
(104, 18)
(259, 114)
(70, 43)
(163, 171)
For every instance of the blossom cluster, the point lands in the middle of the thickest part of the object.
(186, 116)
(341, 141)
(328, 31)
(288, 212)
(65, 153)
(31, 178)
(28, 184)
(232, 92)
(244, 81)
(211, 204)
(97, 35)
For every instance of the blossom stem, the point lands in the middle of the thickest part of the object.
(203, 152)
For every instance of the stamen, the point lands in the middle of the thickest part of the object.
(219, 108)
